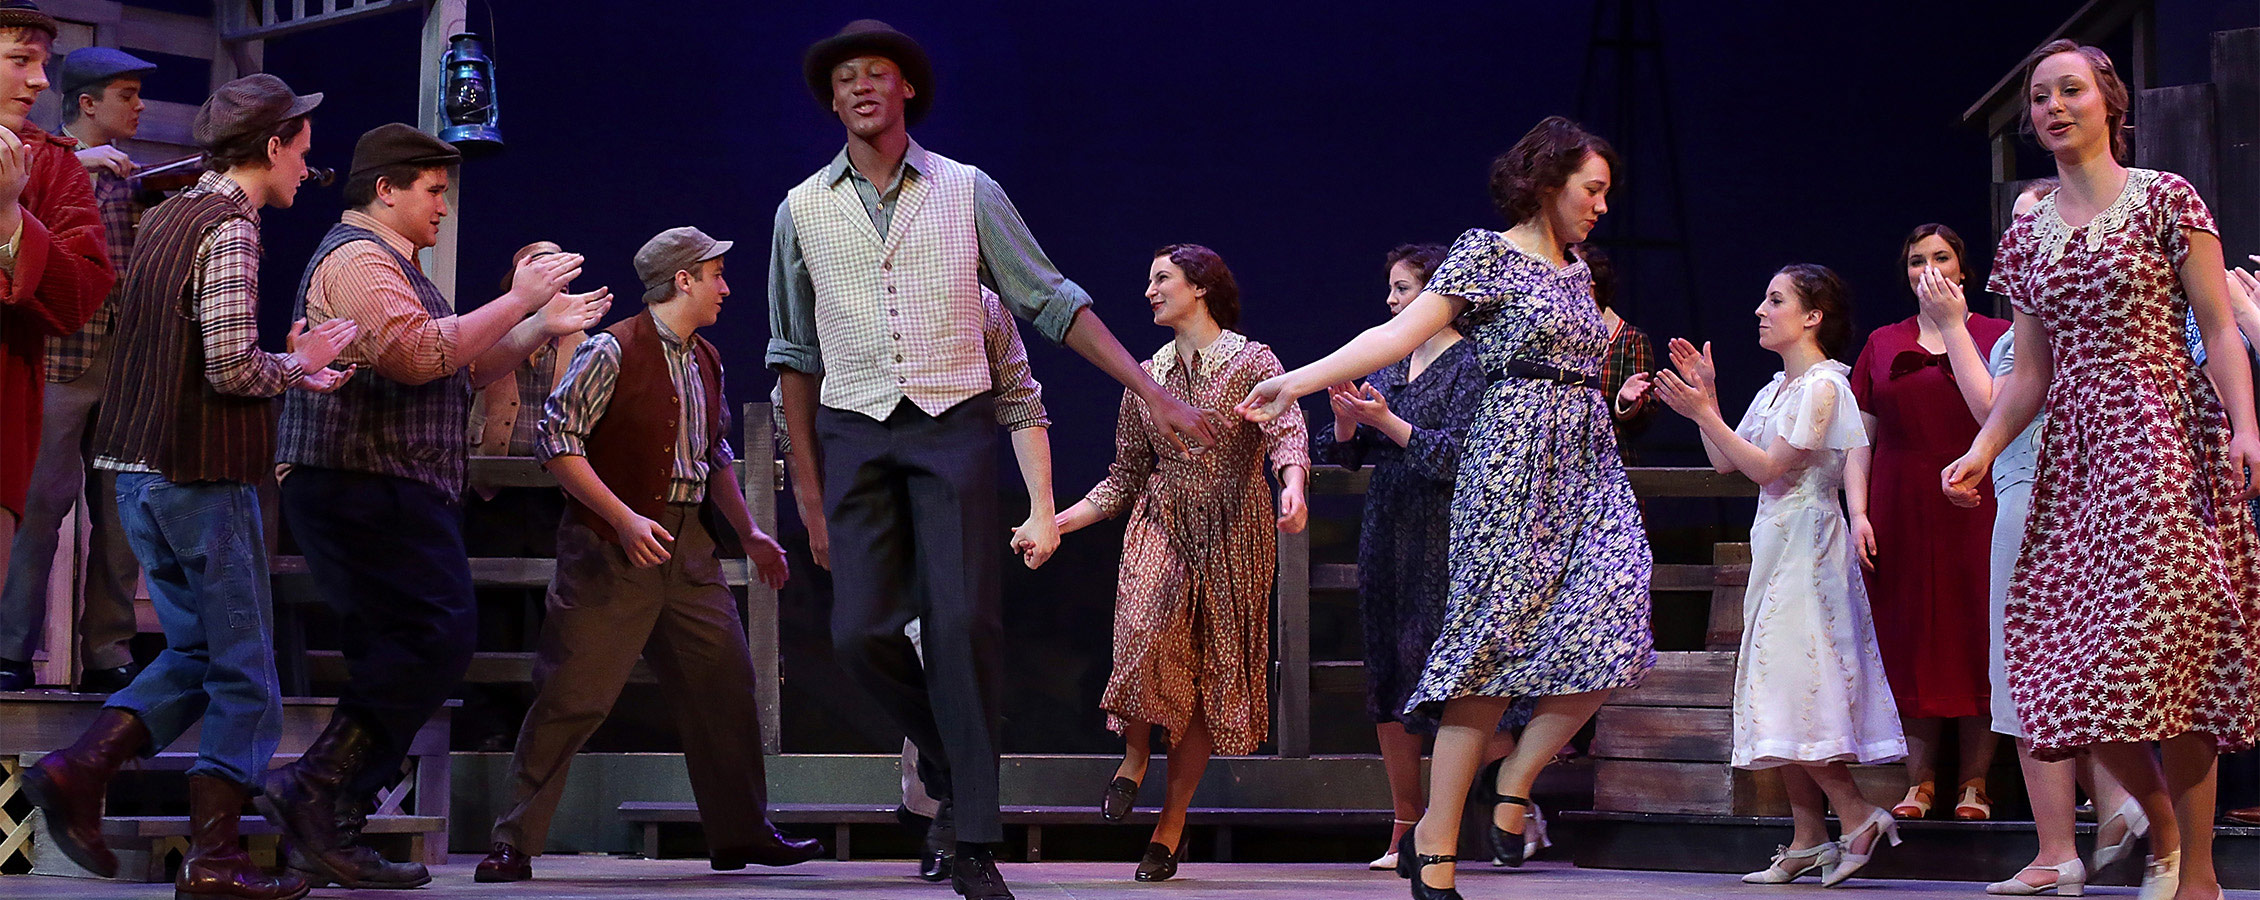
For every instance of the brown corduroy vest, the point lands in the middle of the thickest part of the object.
(158, 408)
(632, 448)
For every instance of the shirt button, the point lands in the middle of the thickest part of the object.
(890, 289)
(887, 266)
(897, 335)
(891, 312)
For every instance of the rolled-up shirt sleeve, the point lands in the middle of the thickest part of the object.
(1020, 400)
(792, 301)
(399, 338)
(1015, 267)
(580, 399)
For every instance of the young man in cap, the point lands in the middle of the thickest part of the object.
(638, 435)
(373, 483)
(188, 428)
(875, 323)
(53, 268)
(101, 91)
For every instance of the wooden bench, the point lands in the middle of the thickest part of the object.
(650, 816)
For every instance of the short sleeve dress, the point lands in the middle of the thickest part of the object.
(1549, 559)
(2133, 613)
(1929, 580)
(1809, 685)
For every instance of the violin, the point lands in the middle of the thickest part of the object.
(179, 174)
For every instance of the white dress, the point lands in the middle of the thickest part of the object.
(1809, 685)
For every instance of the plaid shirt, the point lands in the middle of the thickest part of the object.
(70, 354)
(580, 402)
(1629, 352)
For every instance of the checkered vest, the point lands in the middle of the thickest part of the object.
(375, 424)
(900, 316)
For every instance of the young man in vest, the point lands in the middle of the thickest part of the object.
(638, 435)
(188, 427)
(101, 90)
(53, 268)
(875, 324)
(372, 489)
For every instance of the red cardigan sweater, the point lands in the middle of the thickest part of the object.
(62, 273)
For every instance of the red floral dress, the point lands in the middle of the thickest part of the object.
(2134, 610)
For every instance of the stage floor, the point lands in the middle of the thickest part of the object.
(595, 877)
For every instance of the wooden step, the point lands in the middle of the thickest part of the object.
(487, 667)
(118, 828)
(1686, 678)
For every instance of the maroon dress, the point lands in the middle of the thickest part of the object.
(1929, 588)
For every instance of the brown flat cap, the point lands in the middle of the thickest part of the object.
(396, 144)
(26, 14)
(248, 105)
(671, 251)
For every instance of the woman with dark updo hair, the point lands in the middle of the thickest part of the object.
(1922, 382)
(1810, 694)
(1193, 604)
(1549, 561)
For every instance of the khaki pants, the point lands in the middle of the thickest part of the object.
(682, 618)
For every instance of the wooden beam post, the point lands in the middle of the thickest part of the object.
(443, 19)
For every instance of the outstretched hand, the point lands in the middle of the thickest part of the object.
(1696, 368)
(1268, 400)
(318, 345)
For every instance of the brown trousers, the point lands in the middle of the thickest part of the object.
(682, 618)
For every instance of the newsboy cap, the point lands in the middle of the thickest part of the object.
(86, 67)
(248, 105)
(26, 14)
(671, 251)
(395, 144)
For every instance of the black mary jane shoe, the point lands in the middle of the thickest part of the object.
(1409, 864)
(1160, 863)
(1506, 846)
(1121, 796)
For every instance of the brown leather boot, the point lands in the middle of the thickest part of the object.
(69, 786)
(321, 824)
(216, 865)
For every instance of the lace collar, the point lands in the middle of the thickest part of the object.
(2054, 235)
(1205, 360)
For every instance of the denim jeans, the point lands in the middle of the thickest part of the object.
(203, 549)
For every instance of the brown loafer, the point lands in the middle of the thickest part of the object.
(504, 863)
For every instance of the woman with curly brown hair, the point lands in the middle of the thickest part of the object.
(1193, 605)
(1549, 562)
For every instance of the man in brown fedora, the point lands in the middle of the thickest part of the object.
(187, 425)
(637, 435)
(373, 483)
(875, 283)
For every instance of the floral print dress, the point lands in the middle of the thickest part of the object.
(1192, 612)
(2134, 610)
(1549, 559)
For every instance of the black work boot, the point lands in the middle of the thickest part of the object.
(69, 786)
(321, 825)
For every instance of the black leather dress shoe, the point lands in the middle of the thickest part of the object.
(505, 863)
(778, 850)
(973, 874)
(15, 676)
(1160, 863)
(106, 681)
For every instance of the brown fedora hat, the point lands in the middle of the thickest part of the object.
(871, 37)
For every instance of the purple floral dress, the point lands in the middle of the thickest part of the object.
(1549, 558)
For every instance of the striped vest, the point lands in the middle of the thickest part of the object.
(375, 424)
(158, 409)
(632, 448)
(900, 316)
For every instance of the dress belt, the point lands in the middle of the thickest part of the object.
(1523, 368)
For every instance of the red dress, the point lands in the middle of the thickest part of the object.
(2134, 609)
(1929, 588)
